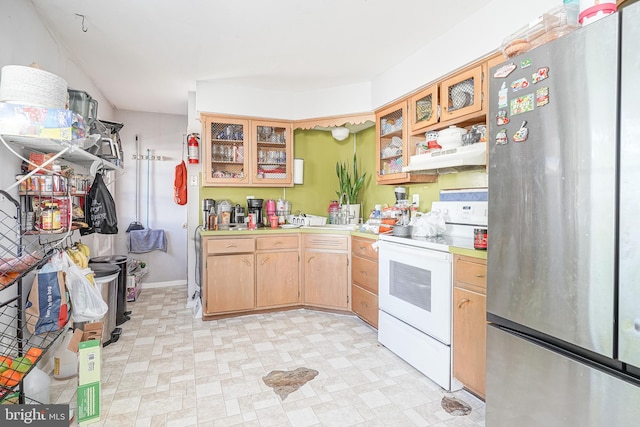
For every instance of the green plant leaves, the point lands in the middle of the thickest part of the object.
(349, 184)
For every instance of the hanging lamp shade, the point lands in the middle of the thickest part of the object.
(340, 133)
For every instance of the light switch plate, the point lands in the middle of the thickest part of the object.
(193, 180)
(415, 200)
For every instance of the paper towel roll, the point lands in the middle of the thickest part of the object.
(298, 171)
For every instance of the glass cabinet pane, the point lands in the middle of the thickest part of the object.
(391, 142)
(227, 150)
(271, 152)
(460, 95)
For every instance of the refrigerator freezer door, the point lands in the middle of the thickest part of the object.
(629, 272)
(552, 197)
(529, 385)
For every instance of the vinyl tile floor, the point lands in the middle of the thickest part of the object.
(170, 369)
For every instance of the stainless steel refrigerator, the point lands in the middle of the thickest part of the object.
(563, 291)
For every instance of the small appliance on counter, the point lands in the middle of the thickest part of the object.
(283, 210)
(208, 213)
(238, 216)
(254, 208)
(224, 209)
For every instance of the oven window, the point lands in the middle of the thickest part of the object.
(410, 284)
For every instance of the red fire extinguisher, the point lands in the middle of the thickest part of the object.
(192, 148)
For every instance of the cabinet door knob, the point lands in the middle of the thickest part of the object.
(463, 301)
(310, 258)
(246, 261)
(480, 275)
(264, 260)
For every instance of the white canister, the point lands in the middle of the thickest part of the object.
(592, 10)
(451, 137)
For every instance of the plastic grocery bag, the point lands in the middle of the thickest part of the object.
(101, 212)
(428, 225)
(86, 298)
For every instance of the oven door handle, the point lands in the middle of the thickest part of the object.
(389, 250)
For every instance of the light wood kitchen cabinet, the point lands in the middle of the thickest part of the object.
(325, 265)
(272, 154)
(393, 147)
(423, 108)
(229, 275)
(242, 152)
(469, 322)
(364, 280)
(462, 93)
(277, 271)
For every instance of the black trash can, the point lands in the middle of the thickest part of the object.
(106, 277)
(122, 315)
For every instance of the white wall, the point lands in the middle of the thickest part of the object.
(470, 39)
(228, 98)
(163, 135)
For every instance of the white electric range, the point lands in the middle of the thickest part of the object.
(416, 287)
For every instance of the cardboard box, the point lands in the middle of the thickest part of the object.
(27, 120)
(88, 344)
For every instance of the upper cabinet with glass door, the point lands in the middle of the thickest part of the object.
(246, 153)
(462, 94)
(272, 149)
(224, 158)
(424, 108)
(392, 147)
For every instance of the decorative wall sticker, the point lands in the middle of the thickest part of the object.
(504, 71)
(526, 63)
(522, 104)
(519, 84)
(503, 96)
(501, 118)
(501, 137)
(522, 133)
(542, 96)
(540, 75)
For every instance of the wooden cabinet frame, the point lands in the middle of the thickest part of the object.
(252, 142)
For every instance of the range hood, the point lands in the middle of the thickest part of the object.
(467, 155)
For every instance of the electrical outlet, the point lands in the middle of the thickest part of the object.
(193, 180)
(415, 200)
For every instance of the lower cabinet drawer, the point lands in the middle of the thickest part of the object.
(277, 242)
(364, 272)
(230, 246)
(319, 241)
(365, 305)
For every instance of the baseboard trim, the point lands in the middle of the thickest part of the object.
(151, 285)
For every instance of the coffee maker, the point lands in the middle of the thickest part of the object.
(254, 207)
(238, 215)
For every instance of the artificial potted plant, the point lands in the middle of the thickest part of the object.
(350, 184)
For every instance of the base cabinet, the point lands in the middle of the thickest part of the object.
(326, 271)
(230, 283)
(469, 323)
(364, 283)
(250, 273)
(277, 271)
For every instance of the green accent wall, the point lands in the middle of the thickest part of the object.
(320, 152)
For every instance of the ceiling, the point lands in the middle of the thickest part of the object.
(146, 55)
